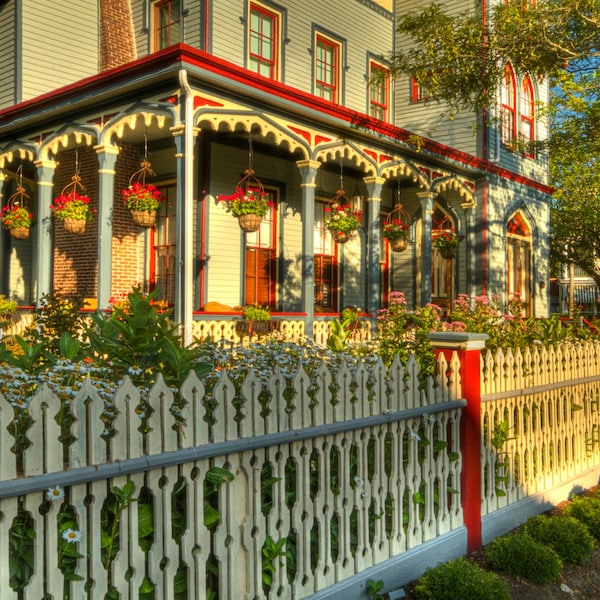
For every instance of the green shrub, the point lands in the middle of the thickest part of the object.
(586, 510)
(460, 579)
(519, 554)
(567, 536)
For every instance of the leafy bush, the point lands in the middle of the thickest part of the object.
(519, 554)
(460, 579)
(586, 510)
(567, 536)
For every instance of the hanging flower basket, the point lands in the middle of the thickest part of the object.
(248, 202)
(250, 223)
(76, 226)
(445, 241)
(19, 233)
(15, 216)
(396, 229)
(399, 244)
(141, 198)
(144, 218)
(340, 219)
(73, 208)
(340, 237)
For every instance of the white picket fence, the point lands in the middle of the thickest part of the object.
(350, 468)
(549, 400)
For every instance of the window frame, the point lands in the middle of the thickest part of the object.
(527, 116)
(157, 30)
(324, 250)
(334, 84)
(274, 62)
(255, 241)
(508, 106)
(379, 79)
(163, 215)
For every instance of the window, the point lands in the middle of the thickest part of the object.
(508, 108)
(327, 69)
(419, 91)
(379, 91)
(325, 263)
(163, 240)
(264, 41)
(527, 114)
(167, 23)
(518, 261)
(260, 278)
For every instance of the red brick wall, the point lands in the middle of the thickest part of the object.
(76, 256)
(125, 242)
(117, 42)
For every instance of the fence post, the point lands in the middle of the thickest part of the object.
(468, 347)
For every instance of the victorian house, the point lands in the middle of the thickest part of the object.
(198, 97)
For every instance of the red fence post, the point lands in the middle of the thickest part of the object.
(468, 347)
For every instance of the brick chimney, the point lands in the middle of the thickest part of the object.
(117, 42)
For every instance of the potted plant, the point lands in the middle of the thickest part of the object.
(248, 203)
(446, 242)
(74, 210)
(256, 320)
(396, 232)
(143, 200)
(342, 221)
(17, 220)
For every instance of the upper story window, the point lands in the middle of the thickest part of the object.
(263, 46)
(166, 19)
(527, 115)
(508, 106)
(379, 91)
(419, 90)
(327, 68)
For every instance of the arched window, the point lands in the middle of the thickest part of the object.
(527, 116)
(509, 106)
(518, 261)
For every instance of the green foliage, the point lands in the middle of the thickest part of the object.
(20, 555)
(342, 329)
(520, 555)
(256, 313)
(141, 341)
(459, 579)
(587, 510)
(8, 309)
(567, 536)
(374, 589)
(271, 551)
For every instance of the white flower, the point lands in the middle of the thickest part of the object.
(415, 436)
(56, 494)
(71, 536)
(358, 481)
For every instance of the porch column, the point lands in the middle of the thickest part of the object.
(373, 227)
(468, 208)
(42, 260)
(426, 199)
(107, 157)
(308, 172)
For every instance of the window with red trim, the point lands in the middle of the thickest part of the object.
(419, 91)
(509, 106)
(261, 259)
(167, 23)
(325, 264)
(527, 116)
(163, 241)
(263, 43)
(379, 91)
(327, 69)
(518, 261)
